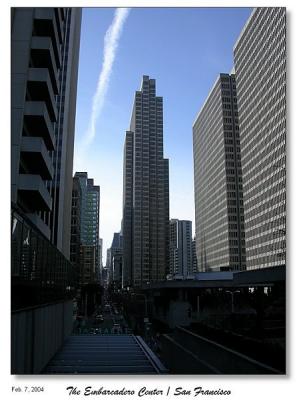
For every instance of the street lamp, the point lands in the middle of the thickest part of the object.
(232, 298)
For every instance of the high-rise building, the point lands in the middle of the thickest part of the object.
(127, 220)
(89, 227)
(219, 212)
(75, 239)
(115, 260)
(100, 259)
(108, 266)
(180, 248)
(194, 257)
(173, 244)
(44, 64)
(145, 191)
(260, 67)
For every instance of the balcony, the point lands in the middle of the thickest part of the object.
(34, 155)
(45, 25)
(42, 55)
(34, 192)
(38, 123)
(40, 88)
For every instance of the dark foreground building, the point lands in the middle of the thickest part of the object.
(44, 65)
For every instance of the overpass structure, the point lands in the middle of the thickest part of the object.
(181, 302)
(226, 279)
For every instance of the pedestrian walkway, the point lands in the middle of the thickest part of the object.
(105, 354)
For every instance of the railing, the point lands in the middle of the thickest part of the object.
(40, 273)
(222, 358)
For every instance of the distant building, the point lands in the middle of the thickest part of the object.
(220, 241)
(108, 266)
(100, 259)
(75, 239)
(88, 264)
(44, 65)
(260, 67)
(194, 257)
(115, 261)
(89, 228)
(104, 276)
(173, 244)
(180, 248)
(145, 191)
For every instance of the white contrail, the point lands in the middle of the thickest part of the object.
(111, 40)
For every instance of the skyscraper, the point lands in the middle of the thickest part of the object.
(180, 248)
(194, 257)
(145, 191)
(260, 67)
(219, 213)
(44, 63)
(127, 221)
(75, 238)
(89, 227)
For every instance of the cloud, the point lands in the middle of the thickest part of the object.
(111, 41)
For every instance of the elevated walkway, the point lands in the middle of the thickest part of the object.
(104, 354)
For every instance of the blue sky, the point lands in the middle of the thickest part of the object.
(184, 49)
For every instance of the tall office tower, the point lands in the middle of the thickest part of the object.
(194, 257)
(180, 248)
(75, 239)
(260, 65)
(89, 227)
(145, 191)
(219, 214)
(44, 62)
(127, 220)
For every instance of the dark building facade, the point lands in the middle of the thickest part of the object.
(260, 67)
(127, 221)
(89, 227)
(220, 238)
(75, 239)
(194, 257)
(44, 64)
(145, 191)
(115, 261)
(180, 248)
